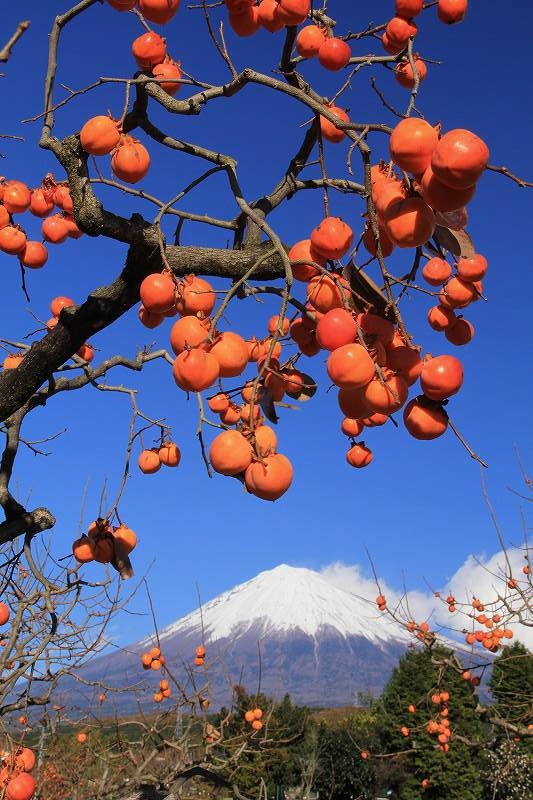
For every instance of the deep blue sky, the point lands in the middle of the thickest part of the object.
(418, 507)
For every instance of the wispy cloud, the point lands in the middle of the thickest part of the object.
(481, 576)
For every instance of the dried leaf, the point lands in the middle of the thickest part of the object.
(266, 402)
(458, 243)
(121, 561)
(306, 391)
(455, 220)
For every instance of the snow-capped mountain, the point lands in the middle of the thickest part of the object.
(282, 600)
(288, 625)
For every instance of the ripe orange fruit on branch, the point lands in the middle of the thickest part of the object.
(391, 45)
(352, 427)
(369, 241)
(12, 240)
(16, 197)
(293, 12)
(359, 456)
(149, 462)
(149, 49)
(409, 222)
(246, 22)
(4, 613)
(459, 158)
(387, 397)
(169, 454)
(34, 255)
(273, 325)
(195, 295)
(157, 292)
(12, 360)
(59, 303)
(332, 238)
(230, 453)
(441, 377)
(472, 269)
(170, 71)
(405, 74)
(406, 361)
(266, 441)
(451, 11)
(99, 135)
(326, 292)
(439, 196)
(309, 40)
(459, 294)
(329, 130)
(41, 203)
(436, 271)
(377, 326)
(55, 229)
(130, 160)
(219, 403)
(460, 333)
(350, 367)
(126, 537)
(440, 318)
(399, 30)
(386, 193)
(334, 54)
(195, 370)
(231, 352)
(270, 478)
(424, 420)
(82, 550)
(159, 11)
(21, 787)
(122, 5)
(62, 198)
(336, 328)
(352, 404)
(268, 17)
(149, 319)
(86, 352)
(408, 8)
(189, 332)
(304, 251)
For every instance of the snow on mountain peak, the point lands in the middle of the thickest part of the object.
(283, 599)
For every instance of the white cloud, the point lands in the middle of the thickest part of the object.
(479, 576)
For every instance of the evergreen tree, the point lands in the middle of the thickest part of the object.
(272, 755)
(341, 772)
(511, 684)
(436, 770)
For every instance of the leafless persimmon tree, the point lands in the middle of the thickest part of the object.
(415, 202)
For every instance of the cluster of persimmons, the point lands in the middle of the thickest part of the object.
(371, 359)
(16, 198)
(85, 352)
(16, 780)
(101, 540)
(253, 717)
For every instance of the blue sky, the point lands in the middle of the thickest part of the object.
(419, 507)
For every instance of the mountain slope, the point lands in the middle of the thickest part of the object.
(288, 625)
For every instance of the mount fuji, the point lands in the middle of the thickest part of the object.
(288, 628)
